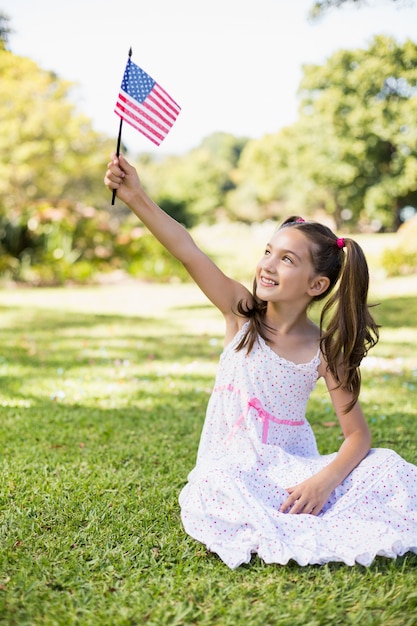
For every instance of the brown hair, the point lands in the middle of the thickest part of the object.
(351, 330)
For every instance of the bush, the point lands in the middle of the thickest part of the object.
(402, 260)
(47, 245)
(146, 258)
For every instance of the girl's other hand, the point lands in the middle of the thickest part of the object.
(308, 497)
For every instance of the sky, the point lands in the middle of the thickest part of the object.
(232, 65)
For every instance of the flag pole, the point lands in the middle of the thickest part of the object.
(119, 141)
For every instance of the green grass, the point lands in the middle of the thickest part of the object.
(102, 402)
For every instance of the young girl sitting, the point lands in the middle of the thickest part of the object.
(260, 484)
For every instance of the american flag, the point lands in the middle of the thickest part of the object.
(145, 105)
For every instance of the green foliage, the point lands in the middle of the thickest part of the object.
(47, 151)
(353, 151)
(51, 165)
(351, 155)
(322, 6)
(102, 402)
(197, 183)
(147, 258)
(5, 30)
(72, 243)
(272, 180)
(366, 100)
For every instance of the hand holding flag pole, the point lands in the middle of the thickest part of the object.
(145, 105)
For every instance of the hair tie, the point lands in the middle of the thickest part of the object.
(299, 220)
(340, 243)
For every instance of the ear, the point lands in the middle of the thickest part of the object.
(318, 285)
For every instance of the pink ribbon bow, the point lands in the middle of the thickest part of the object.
(265, 417)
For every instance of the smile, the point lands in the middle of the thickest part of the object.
(268, 281)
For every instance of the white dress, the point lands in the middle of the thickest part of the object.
(255, 442)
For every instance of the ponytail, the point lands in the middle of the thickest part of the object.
(351, 331)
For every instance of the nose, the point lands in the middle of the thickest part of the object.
(268, 264)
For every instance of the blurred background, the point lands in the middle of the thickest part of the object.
(287, 107)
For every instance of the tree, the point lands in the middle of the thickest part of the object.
(193, 187)
(353, 151)
(49, 155)
(277, 174)
(47, 151)
(363, 103)
(322, 6)
(5, 31)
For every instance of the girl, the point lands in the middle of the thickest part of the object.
(260, 484)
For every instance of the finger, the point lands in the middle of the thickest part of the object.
(288, 503)
(298, 508)
(293, 504)
(115, 174)
(109, 182)
(115, 165)
(316, 509)
(284, 507)
(116, 170)
(125, 166)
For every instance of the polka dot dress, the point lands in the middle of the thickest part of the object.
(256, 442)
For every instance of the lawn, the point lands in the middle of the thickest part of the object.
(102, 402)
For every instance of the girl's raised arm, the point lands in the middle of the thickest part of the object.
(223, 292)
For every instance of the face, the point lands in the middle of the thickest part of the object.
(285, 272)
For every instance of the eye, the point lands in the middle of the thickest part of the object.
(267, 252)
(287, 259)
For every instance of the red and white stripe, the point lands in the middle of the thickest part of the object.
(153, 117)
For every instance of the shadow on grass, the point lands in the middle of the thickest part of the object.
(90, 483)
(55, 320)
(49, 339)
(381, 565)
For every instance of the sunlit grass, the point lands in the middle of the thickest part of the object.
(102, 401)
